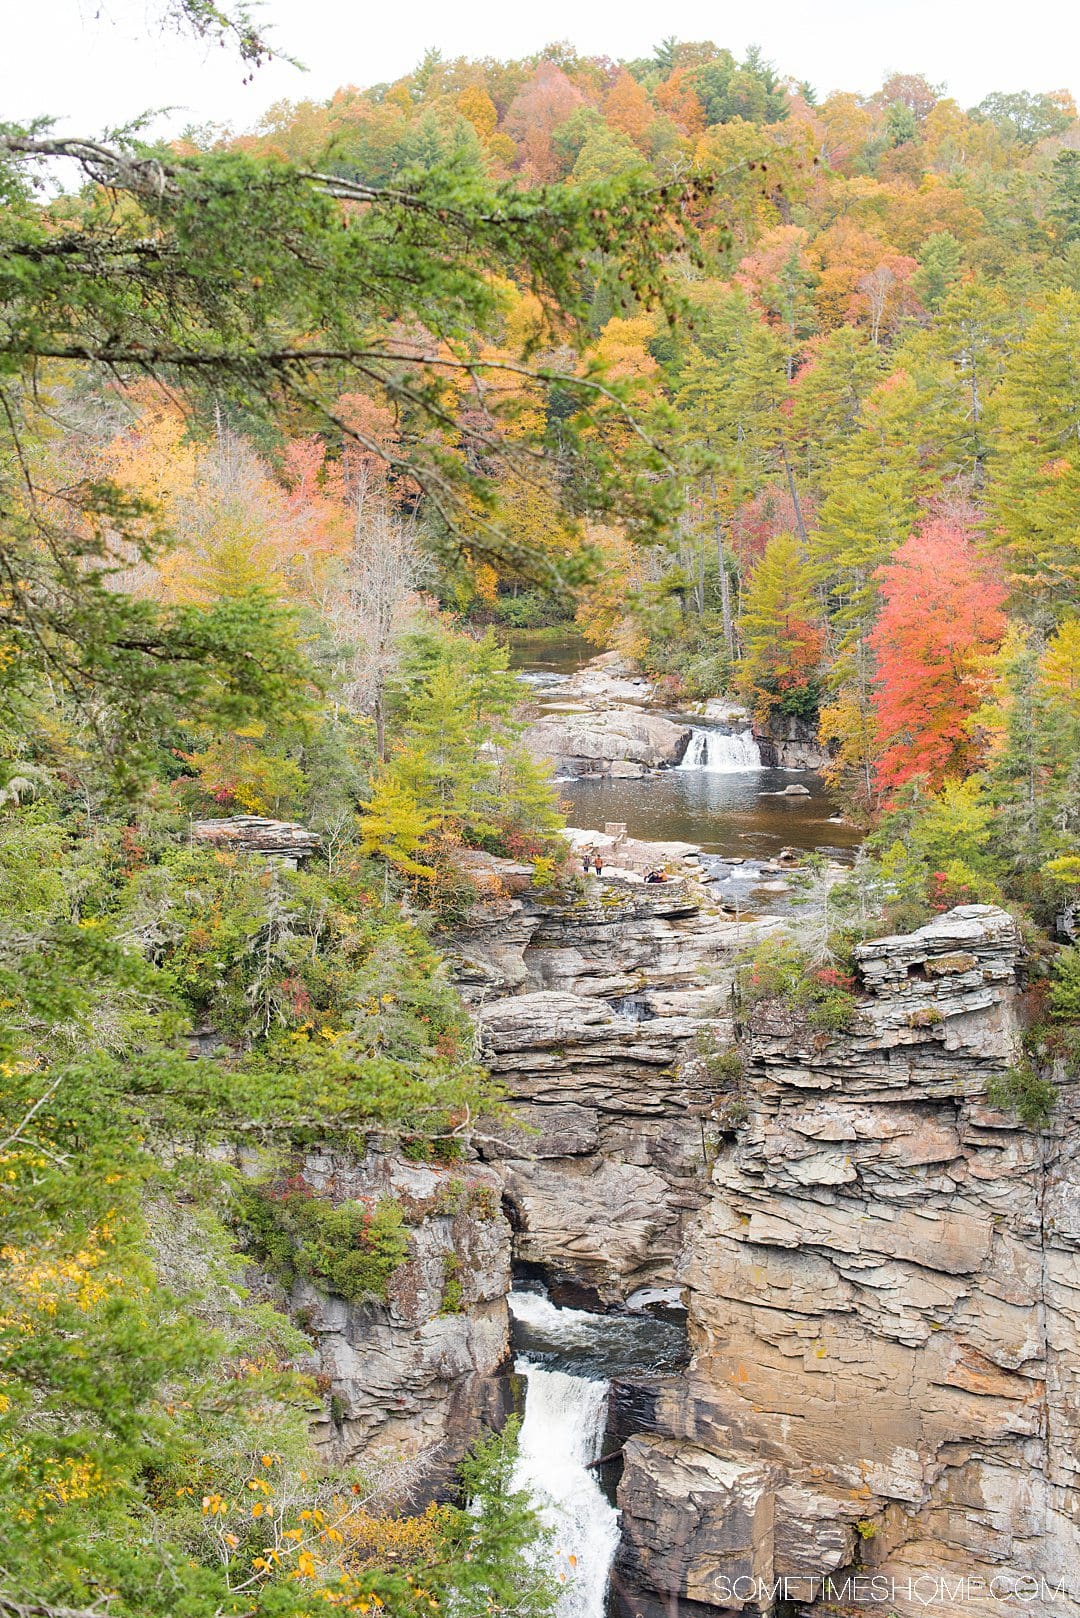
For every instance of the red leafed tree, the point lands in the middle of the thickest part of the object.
(941, 619)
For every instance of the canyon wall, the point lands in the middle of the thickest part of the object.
(883, 1291)
(405, 1385)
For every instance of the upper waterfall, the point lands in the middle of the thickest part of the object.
(720, 752)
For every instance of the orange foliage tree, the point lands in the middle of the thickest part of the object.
(941, 620)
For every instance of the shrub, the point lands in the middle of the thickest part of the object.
(349, 1249)
(781, 975)
(459, 1196)
(801, 702)
(731, 1113)
(531, 609)
(1064, 997)
(724, 1065)
(690, 664)
(1023, 1091)
(453, 1296)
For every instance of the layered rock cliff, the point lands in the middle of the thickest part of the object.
(407, 1384)
(600, 1045)
(883, 1288)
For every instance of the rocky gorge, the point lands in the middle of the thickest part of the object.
(875, 1267)
(879, 1268)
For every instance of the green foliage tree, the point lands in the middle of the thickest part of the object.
(1035, 488)
(1065, 202)
(1023, 116)
(940, 263)
(782, 639)
(869, 506)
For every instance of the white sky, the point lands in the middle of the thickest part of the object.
(96, 63)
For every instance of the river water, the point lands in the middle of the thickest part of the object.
(731, 815)
(567, 1358)
(719, 797)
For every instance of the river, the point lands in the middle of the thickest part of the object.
(734, 810)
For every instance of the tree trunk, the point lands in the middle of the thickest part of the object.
(725, 584)
(793, 491)
(380, 726)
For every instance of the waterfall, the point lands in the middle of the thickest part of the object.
(563, 1429)
(721, 753)
(632, 1006)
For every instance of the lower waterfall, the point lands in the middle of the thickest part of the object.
(720, 752)
(563, 1429)
(563, 1355)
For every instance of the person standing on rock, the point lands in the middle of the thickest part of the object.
(598, 865)
(586, 862)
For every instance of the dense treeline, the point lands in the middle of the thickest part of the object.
(870, 412)
(774, 395)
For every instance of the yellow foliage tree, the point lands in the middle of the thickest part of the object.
(1059, 667)
(476, 105)
(395, 827)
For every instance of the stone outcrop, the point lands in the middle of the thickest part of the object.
(884, 1292)
(608, 741)
(608, 1132)
(616, 939)
(409, 1383)
(790, 743)
(255, 834)
(607, 681)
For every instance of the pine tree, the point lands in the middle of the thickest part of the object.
(869, 507)
(394, 826)
(1035, 483)
(781, 636)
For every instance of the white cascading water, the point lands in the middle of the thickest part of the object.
(562, 1431)
(720, 753)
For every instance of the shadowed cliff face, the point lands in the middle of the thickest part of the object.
(883, 1297)
(406, 1384)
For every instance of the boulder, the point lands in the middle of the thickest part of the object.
(589, 743)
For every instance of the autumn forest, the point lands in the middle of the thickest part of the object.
(775, 395)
